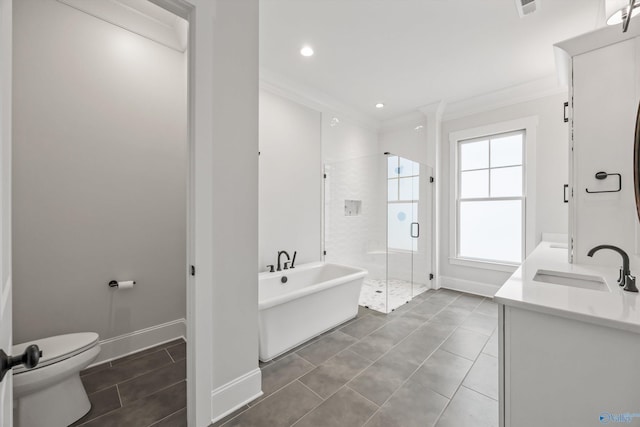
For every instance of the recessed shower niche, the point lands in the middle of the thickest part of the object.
(377, 216)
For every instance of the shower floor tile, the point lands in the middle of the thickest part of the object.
(374, 294)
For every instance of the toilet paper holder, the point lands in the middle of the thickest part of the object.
(115, 284)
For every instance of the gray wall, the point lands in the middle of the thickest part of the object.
(290, 180)
(99, 187)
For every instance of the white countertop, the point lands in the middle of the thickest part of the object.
(616, 308)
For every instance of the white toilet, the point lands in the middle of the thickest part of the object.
(52, 393)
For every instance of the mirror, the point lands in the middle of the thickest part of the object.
(636, 163)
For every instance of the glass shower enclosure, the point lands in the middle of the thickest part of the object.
(377, 215)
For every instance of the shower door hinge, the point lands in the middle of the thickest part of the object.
(193, 270)
(325, 176)
(431, 179)
(430, 276)
(324, 252)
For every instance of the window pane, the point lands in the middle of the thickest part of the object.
(392, 167)
(409, 188)
(392, 192)
(400, 216)
(474, 155)
(491, 230)
(506, 182)
(474, 184)
(506, 151)
(408, 168)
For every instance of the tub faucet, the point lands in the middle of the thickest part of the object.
(280, 253)
(625, 279)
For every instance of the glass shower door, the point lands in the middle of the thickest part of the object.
(407, 218)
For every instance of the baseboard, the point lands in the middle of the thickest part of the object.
(468, 286)
(235, 394)
(116, 347)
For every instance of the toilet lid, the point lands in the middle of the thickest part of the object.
(58, 348)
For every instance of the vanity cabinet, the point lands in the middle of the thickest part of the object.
(557, 371)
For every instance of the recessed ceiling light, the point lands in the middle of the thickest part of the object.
(306, 51)
(379, 105)
(418, 128)
(334, 122)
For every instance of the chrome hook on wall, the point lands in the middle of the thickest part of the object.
(604, 175)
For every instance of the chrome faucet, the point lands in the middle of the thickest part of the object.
(280, 253)
(625, 279)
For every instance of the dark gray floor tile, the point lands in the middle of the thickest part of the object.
(419, 317)
(124, 371)
(281, 373)
(465, 343)
(483, 376)
(138, 354)
(327, 378)
(327, 347)
(417, 347)
(480, 323)
(467, 301)
(179, 419)
(491, 348)
(178, 352)
(146, 411)
(444, 297)
(153, 381)
(488, 308)
(102, 402)
(428, 308)
(94, 369)
(470, 409)
(281, 409)
(230, 416)
(372, 347)
(452, 316)
(443, 372)
(363, 327)
(378, 382)
(345, 408)
(413, 405)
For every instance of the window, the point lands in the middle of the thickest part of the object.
(490, 198)
(403, 180)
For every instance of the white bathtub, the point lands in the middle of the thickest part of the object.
(315, 298)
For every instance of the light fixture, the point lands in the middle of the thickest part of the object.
(334, 122)
(617, 10)
(379, 105)
(418, 128)
(306, 51)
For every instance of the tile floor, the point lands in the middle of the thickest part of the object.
(374, 293)
(432, 362)
(140, 390)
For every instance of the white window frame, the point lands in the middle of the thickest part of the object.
(529, 126)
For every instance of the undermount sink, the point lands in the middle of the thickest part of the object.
(583, 281)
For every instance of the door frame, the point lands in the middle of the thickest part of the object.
(199, 212)
(6, 40)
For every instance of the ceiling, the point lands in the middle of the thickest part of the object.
(411, 53)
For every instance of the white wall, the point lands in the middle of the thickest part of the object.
(99, 175)
(551, 175)
(290, 180)
(407, 141)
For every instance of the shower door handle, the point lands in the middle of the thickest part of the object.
(417, 230)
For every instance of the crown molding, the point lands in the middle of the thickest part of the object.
(313, 98)
(536, 89)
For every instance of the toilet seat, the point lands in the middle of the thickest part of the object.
(58, 348)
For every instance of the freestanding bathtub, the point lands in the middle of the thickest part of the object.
(314, 298)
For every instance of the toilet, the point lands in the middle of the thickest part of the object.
(52, 393)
